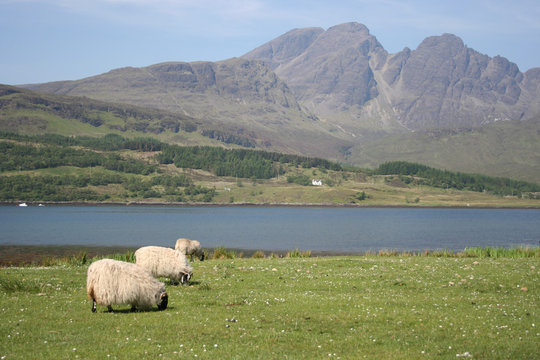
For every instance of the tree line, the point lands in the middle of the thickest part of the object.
(178, 188)
(137, 178)
(418, 174)
(237, 162)
(29, 157)
(244, 163)
(109, 142)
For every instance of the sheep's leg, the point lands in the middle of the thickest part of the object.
(94, 307)
(109, 307)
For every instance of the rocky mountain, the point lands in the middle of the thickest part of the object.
(337, 94)
(344, 75)
(238, 95)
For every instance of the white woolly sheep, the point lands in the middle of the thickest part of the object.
(116, 282)
(166, 262)
(189, 247)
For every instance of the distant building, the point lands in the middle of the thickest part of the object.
(316, 182)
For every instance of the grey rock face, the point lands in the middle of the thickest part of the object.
(335, 67)
(286, 47)
(440, 84)
(338, 82)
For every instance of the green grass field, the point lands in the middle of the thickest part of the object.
(374, 307)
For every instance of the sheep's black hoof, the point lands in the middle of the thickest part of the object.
(109, 307)
(133, 309)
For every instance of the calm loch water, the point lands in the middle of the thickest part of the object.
(271, 228)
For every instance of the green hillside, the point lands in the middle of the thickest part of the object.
(28, 112)
(507, 149)
(112, 168)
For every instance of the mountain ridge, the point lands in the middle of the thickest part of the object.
(442, 83)
(239, 93)
(329, 93)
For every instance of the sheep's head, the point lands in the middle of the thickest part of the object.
(184, 278)
(163, 301)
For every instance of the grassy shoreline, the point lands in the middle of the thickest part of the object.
(50, 255)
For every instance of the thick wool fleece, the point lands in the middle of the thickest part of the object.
(116, 282)
(162, 261)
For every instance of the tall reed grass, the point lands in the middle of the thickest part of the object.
(474, 252)
(11, 285)
(299, 254)
(499, 252)
(82, 258)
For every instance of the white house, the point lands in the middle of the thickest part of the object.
(316, 182)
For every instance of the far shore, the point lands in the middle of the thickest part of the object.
(242, 204)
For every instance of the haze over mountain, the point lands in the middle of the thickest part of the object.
(332, 93)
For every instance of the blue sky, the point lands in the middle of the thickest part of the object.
(49, 40)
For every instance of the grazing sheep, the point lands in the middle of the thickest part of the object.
(189, 247)
(116, 282)
(162, 261)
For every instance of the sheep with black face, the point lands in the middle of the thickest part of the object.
(166, 262)
(111, 282)
(189, 247)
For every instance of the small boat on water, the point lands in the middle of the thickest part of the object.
(23, 204)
